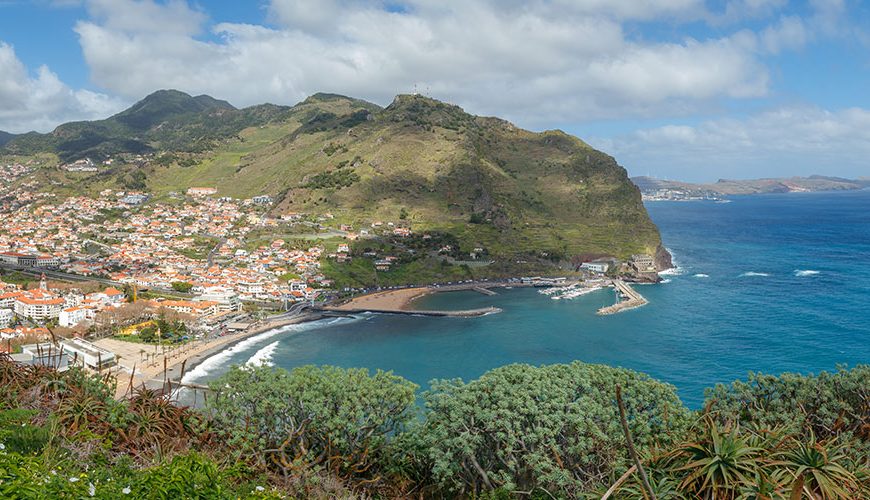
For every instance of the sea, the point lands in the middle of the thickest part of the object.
(764, 283)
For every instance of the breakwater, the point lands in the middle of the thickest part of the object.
(632, 299)
(467, 313)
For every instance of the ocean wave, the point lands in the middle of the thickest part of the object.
(805, 272)
(750, 274)
(674, 271)
(220, 358)
(701, 275)
(263, 357)
(664, 281)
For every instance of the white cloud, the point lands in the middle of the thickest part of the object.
(785, 141)
(536, 63)
(41, 101)
(789, 34)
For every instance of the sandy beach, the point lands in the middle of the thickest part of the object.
(395, 300)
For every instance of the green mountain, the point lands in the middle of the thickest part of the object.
(165, 120)
(521, 199)
(5, 137)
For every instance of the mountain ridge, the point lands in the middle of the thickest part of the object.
(519, 198)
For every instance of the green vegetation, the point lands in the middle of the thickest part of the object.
(166, 120)
(181, 286)
(518, 431)
(521, 195)
(332, 180)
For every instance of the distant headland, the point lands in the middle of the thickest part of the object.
(661, 189)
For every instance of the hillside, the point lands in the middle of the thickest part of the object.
(165, 120)
(5, 137)
(524, 200)
(724, 187)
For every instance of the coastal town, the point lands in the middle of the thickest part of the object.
(101, 272)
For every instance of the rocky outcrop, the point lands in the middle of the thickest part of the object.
(663, 259)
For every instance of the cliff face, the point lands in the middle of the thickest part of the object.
(663, 259)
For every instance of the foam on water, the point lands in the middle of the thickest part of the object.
(263, 357)
(750, 274)
(701, 275)
(805, 272)
(203, 369)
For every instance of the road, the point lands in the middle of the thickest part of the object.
(62, 276)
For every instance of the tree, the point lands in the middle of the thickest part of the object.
(181, 286)
(554, 428)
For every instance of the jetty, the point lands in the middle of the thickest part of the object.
(632, 299)
(465, 313)
(485, 291)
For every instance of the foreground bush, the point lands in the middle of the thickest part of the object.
(552, 428)
(343, 420)
(517, 432)
(827, 405)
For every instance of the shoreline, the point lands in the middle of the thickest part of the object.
(155, 376)
(379, 302)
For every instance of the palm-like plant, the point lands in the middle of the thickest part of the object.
(719, 465)
(817, 469)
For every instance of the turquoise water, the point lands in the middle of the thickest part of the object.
(769, 283)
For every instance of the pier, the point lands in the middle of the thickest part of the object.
(485, 291)
(633, 299)
(466, 313)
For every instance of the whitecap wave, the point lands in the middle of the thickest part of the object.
(220, 358)
(701, 275)
(664, 281)
(805, 272)
(263, 357)
(674, 271)
(750, 274)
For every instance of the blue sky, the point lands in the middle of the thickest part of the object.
(674, 88)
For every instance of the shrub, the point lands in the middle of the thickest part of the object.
(554, 427)
(342, 419)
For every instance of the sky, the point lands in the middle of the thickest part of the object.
(676, 89)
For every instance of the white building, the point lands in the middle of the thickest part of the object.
(252, 288)
(227, 300)
(6, 317)
(71, 316)
(89, 355)
(38, 308)
(596, 266)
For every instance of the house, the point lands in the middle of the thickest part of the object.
(227, 300)
(6, 317)
(201, 191)
(262, 199)
(71, 316)
(596, 266)
(7, 300)
(250, 287)
(382, 265)
(134, 199)
(198, 309)
(643, 262)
